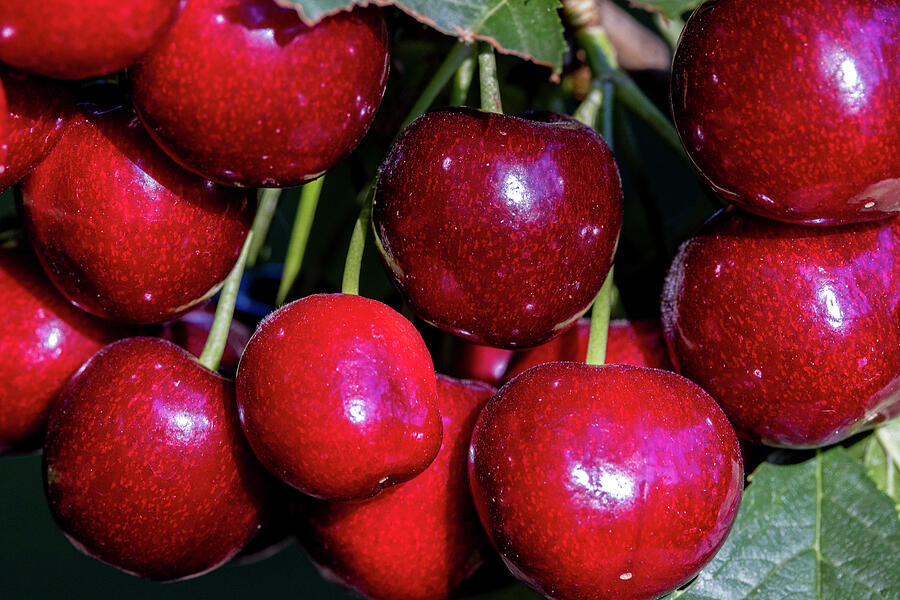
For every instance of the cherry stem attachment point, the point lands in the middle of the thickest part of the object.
(211, 356)
(596, 351)
(353, 265)
(265, 211)
(487, 76)
(303, 222)
(462, 82)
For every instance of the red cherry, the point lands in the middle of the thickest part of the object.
(498, 229)
(37, 111)
(337, 397)
(145, 466)
(75, 39)
(636, 343)
(43, 341)
(481, 363)
(416, 541)
(123, 231)
(244, 93)
(793, 330)
(604, 482)
(191, 332)
(783, 106)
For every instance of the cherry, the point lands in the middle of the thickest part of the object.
(37, 108)
(337, 397)
(417, 540)
(123, 231)
(75, 39)
(43, 341)
(495, 228)
(244, 93)
(604, 482)
(145, 467)
(481, 363)
(781, 105)
(192, 330)
(793, 330)
(636, 343)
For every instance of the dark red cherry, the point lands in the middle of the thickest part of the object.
(481, 363)
(637, 343)
(783, 106)
(37, 108)
(793, 330)
(415, 541)
(123, 231)
(498, 229)
(145, 467)
(337, 397)
(244, 93)
(43, 341)
(75, 39)
(613, 482)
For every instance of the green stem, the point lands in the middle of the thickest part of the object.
(596, 352)
(462, 82)
(303, 221)
(438, 82)
(609, 101)
(588, 111)
(265, 211)
(353, 265)
(218, 334)
(487, 75)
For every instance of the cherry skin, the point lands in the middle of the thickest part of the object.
(43, 341)
(637, 343)
(604, 482)
(244, 93)
(416, 541)
(793, 330)
(145, 467)
(481, 363)
(781, 105)
(76, 39)
(495, 228)
(37, 109)
(124, 232)
(337, 397)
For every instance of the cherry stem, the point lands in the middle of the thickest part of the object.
(265, 212)
(303, 222)
(487, 76)
(438, 82)
(211, 356)
(353, 265)
(596, 350)
(462, 82)
(589, 109)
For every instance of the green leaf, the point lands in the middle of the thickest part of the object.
(672, 9)
(817, 530)
(531, 29)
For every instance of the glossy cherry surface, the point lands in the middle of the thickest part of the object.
(244, 93)
(145, 466)
(43, 341)
(75, 39)
(600, 483)
(793, 330)
(123, 231)
(637, 343)
(416, 541)
(781, 105)
(498, 229)
(481, 363)
(337, 397)
(37, 108)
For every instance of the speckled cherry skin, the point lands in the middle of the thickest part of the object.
(43, 341)
(416, 541)
(781, 105)
(124, 232)
(337, 397)
(599, 483)
(37, 108)
(242, 92)
(145, 467)
(481, 363)
(638, 343)
(793, 330)
(495, 228)
(76, 39)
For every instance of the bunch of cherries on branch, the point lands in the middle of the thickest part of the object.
(590, 480)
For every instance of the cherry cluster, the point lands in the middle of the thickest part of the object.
(781, 323)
